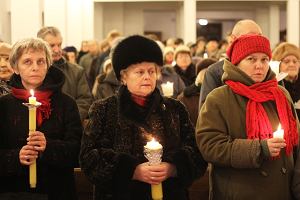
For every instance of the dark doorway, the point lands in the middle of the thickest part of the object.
(210, 31)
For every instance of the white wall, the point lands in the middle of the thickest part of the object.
(26, 19)
(165, 22)
(5, 21)
(74, 19)
(135, 18)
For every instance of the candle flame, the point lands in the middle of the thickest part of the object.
(279, 127)
(32, 92)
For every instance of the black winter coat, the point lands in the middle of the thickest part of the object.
(63, 131)
(113, 143)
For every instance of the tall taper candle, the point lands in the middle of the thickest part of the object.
(32, 127)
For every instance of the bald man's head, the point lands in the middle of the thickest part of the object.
(244, 27)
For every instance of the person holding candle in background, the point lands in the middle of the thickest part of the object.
(55, 143)
(112, 150)
(235, 127)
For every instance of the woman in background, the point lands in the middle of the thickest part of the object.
(289, 56)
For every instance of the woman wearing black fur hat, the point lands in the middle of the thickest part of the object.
(112, 154)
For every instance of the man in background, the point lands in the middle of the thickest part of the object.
(75, 80)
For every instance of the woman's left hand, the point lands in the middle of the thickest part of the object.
(37, 139)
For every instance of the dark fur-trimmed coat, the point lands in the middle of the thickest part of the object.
(113, 143)
(63, 131)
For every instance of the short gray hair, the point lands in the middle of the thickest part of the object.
(48, 30)
(24, 45)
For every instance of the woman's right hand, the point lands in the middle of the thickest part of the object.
(275, 145)
(27, 155)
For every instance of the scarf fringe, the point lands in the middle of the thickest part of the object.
(258, 125)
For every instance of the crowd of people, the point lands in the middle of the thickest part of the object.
(214, 107)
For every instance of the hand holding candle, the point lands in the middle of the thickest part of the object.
(153, 152)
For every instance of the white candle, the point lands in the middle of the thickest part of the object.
(279, 133)
(167, 89)
(32, 127)
(153, 145)
(156, 190)
(32, 99)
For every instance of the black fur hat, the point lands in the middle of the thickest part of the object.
(135, 49)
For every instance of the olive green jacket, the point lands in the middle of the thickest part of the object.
(241, 168)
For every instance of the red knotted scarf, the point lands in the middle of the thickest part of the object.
(257, 122)
(43, 111)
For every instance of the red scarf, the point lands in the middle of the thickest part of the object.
(257, 122)
(43, 111)
(141, 101)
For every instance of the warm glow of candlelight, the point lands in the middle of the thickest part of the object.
(167, 88)
(32, 99)
(279, 133)
(153, 144)
(279, 127)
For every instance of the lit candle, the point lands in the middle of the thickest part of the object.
(153, 145)
(156, 148)
(167, 89)
(32, 127)
(279, 133)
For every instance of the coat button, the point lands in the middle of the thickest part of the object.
(283, 169)
(263, 173)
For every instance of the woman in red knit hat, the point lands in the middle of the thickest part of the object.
(236, 126)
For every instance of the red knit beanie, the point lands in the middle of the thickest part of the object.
(248, 44)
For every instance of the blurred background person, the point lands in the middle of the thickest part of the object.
(75, 83)
(87, 59)
(6, 70)
(184, 66)
(190, 95)
(96, 66)
(71, 54)
(84, 49)
(106, 83)
(289, 56)
(168, 56)
(200, 46)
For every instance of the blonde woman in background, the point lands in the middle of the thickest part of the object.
(289, 56)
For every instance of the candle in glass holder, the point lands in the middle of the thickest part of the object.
(153, 152)
(167, 88)
(279, 133)
(32, 127)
